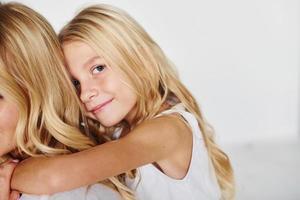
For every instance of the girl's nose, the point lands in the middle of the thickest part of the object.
(88, 94)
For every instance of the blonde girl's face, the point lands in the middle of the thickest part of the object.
(103, 89)
(9, 116)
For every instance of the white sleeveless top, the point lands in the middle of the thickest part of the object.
(94, 192)
(199, 183)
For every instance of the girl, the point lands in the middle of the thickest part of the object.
(128, 86)
(39, 111)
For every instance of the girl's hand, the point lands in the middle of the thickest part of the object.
(6, 170)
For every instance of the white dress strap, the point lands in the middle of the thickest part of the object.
(190, 119)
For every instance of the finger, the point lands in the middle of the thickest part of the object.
(4, 189)
(8, 165)
(8, 161)
(7, 168)
(14, 195)
(4, 158)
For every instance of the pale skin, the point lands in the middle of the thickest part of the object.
(8, 121)
(165, 141)
(6, 170)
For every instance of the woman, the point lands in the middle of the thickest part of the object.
(40, 116)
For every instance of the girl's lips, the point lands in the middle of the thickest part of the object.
(100, 106)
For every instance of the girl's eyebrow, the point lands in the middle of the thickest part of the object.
(91, 60)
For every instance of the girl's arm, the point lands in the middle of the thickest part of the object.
(152, 141)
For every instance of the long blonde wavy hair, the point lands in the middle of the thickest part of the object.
(33, 76)
(123, 43)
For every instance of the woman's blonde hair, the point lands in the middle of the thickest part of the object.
(123, 43)
(33, 76)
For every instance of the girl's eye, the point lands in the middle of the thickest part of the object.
(76, 84)
(98, 69)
